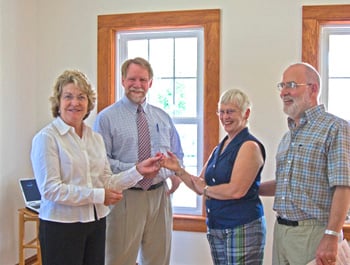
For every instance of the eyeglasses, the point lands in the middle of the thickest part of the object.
(70, 97)
(290, 84)
(228, 112)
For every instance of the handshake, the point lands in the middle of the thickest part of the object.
(150, 167)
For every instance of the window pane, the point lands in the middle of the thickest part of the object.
(186, 57)
(186, 97)
(161, 56)
(339, 55)
(179, 101)
(184, 197)
(338, 97)
(137, 48)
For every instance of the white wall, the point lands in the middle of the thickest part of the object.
(40, 38)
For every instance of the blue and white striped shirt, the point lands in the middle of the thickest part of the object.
(117, 125)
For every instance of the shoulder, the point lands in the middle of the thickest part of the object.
(253, 144)
(159, 114)
(109, 114)
(157, 110)
(334, 122)
(46, 137)
(49, 129)
(110, 109)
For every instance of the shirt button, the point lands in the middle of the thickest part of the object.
(213, 180)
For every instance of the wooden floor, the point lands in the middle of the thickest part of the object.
(33, 261)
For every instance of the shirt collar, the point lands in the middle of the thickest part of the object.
(63, 127)
(308, 116)
(131, 106)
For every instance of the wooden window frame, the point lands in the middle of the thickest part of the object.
(110, 25)
(314, 17)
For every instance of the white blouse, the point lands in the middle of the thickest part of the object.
(72, 173)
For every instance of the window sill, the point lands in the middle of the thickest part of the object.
(190, 223)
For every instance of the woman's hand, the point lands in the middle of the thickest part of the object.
(112, 197)
(198, 184)
(170, 162)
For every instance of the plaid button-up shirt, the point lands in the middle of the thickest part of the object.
(311, 160)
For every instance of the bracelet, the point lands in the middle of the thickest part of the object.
(205, 191)
(332, 233)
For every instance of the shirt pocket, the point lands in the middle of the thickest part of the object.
(161, 138)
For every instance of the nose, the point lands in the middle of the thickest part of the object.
(137, 83)
(284, 91)
(75, 101)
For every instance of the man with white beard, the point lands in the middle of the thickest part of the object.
(312, 186)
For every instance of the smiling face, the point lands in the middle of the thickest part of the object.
(297, 100)
(136, 83)
(73, 105)
(232, 119)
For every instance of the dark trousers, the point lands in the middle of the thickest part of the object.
(72, 243)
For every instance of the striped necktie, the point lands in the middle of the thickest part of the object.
(144, 146)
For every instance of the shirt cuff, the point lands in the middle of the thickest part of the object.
(99, 196)
(125, 179)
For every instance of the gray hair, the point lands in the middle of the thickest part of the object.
(237, 97)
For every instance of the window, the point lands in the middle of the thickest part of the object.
(335, 69)
(209, 21)
(326, 38)
(176, 57)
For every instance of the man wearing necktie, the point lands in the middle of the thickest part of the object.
(134, 130)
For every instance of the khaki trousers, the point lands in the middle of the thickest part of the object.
(296, 245)
(142, 220)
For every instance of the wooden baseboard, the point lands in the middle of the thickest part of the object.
(31, 260)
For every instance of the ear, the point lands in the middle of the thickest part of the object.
(150, 83)
(314, 88)
(247, 114)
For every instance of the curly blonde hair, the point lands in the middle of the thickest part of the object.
(81, 81)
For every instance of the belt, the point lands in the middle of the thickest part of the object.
(282, 221)
(153, 187)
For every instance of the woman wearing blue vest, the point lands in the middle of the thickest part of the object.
(230, 182)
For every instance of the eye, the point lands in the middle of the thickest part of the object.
(291, 84)
(82, 97)
(281, 85)
(67, 97)
(230, 111)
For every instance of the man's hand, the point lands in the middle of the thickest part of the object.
(175, 183)
(112, 197)
(150, 167)
(326, 253)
